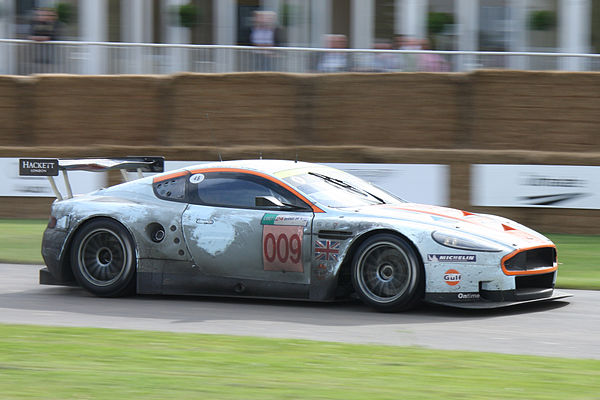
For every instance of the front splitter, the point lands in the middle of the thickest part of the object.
(556, 295)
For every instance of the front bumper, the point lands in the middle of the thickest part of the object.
(522, 289)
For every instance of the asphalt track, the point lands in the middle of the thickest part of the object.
(565, 328)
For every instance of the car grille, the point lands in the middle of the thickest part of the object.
(541, 281)
(532, 259)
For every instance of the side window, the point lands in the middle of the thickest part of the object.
(171, 189)
(239, 190)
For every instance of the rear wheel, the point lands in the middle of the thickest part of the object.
(103, 258)
(387, 273)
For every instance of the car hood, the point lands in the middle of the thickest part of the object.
(496, 228)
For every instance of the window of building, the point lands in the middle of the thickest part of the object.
(595, 26)
(384, 20)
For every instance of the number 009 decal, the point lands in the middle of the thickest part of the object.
(282, 248)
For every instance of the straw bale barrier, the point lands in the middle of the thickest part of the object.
(551, 111)
(232, 109)
(78, 110)
(13, 97)
(392, 110)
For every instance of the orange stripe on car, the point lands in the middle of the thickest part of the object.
(436, 214)
(506, 228)
(163, 178)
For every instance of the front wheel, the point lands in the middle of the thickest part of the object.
(103, 258)
(387, 273)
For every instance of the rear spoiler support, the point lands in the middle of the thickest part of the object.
(67, 183)
(51, 167)
(54, 188)
(127, 178)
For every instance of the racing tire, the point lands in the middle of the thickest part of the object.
(103, 258)
(387, 273)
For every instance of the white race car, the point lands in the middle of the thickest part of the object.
(285, 229)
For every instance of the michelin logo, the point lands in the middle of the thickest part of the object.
(451, 258)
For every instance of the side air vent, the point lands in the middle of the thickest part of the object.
(332, 234)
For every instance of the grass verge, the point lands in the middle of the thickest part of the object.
(579, 255)
(579, 261)
(21, 240)
(47, 362)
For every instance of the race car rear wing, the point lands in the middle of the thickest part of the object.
(50, 168)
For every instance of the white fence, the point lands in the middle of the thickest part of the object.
(24, 57)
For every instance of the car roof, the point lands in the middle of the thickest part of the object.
(270, 167)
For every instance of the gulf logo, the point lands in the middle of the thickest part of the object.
(452, 277)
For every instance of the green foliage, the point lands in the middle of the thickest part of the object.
(188, 15)
(83, 363)
(65, 12)
(542, 20)
(437, 21)
(287, 14)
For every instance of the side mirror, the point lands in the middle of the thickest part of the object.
(267, 201)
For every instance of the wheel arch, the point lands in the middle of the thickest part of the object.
(343, 276)
(66, 253)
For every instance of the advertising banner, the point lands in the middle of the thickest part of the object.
(557, 186)
(11, 184)
(417, 183)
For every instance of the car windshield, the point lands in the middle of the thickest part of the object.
(338, 189)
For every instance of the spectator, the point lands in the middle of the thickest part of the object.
(385, 62)
(334, 61)
(43, 29)
(265, 33)
(398, 44)
(431, 62)
(409, 60)
(43, 25)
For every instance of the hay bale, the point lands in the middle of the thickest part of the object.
(93, 110)
(13, 108)
(395, 110)
(553, 111)
(242, 109)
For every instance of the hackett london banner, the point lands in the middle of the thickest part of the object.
(551, 186)
(38, 167)
(35, 183)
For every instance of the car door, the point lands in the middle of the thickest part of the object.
(230, 236)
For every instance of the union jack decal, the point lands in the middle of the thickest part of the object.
(327, 250)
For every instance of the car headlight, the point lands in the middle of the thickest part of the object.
(463, 242)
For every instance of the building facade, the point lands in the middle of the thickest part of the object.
(498, 25)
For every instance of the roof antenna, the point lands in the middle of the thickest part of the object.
(296, 157)
(212, 139)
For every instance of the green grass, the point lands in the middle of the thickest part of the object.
(82, 363)
(21, 240)
(579, 255)
(579, 260)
